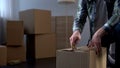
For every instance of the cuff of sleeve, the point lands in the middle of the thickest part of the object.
(74, 29)
(106, 27)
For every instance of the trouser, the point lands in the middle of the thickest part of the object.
(113, 36)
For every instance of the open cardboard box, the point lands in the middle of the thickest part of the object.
(83, 57)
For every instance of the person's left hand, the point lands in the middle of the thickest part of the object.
(96, 40)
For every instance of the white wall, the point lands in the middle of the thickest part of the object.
(16, 7)
(57, 10)
(9, 10)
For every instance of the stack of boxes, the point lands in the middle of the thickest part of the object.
(41, 42)
(15, 41)
(62, 26)
(3, 55)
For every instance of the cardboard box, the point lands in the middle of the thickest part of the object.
(16, 54)
(53, 24)
(36, 21)
(41, 46)
(62, 26)
(15, 33)
(81, 58)
(3, 55)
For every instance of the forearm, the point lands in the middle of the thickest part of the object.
(81, 16)
(100, 32)
(114, 19)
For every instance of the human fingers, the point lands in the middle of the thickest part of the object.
(97, 47)
(73, 47)
(90, 44)
(72, 41)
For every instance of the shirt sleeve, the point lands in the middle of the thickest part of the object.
(115, 19)
(81, 15)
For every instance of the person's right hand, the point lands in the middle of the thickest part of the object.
(75, 37)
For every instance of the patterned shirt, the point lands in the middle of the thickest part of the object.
(115, 19)
(96, 12)
(83, 12)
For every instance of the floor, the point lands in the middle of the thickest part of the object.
(41, 63)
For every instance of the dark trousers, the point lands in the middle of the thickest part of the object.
(113, 36)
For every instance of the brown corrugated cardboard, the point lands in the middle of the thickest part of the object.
(36, 21)
(15, 33)
(16, 53)
(41, 46)
(82, 58)
(53, 21)
(3, 55)
(45, 46)
(63, 30)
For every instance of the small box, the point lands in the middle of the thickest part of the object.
(81, 58)
(36, 21)
(15, 33)
(3, 55)
(16, 54)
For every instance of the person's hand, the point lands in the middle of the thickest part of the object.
(74, 38)
(96, 41)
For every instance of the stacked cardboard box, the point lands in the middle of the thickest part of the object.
(36, 21)
(53, 24)
(81, 58)
(15, 32)
(3, 55)
(40, 38)
(16, 54)
(15, 41)
(62, 26)
(41, 46)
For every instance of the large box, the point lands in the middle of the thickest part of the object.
(41, 46)
(3, 55)
(81, 58)
(62, 26)
(53, 24)
(16, 54)
(15, 33)
(36, 21)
